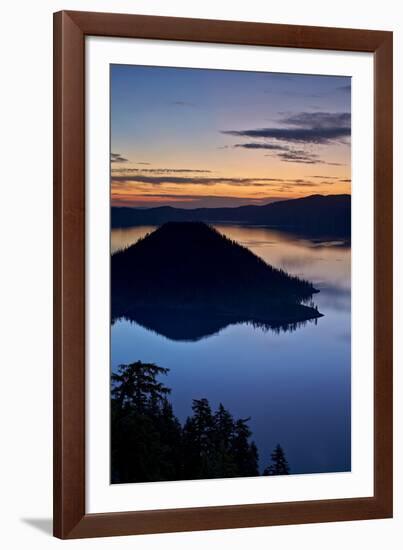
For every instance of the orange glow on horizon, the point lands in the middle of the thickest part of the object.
(219, 191)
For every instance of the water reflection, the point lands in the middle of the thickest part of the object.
(191, 326)
(124, 237)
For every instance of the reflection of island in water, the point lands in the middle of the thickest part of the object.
(186, 281)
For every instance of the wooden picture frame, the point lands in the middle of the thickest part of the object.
(70, 517)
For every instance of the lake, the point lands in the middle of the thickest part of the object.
(294, 385)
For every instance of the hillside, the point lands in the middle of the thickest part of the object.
(184, 271)
(316, 213)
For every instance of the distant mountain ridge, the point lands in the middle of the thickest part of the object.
(186, 278)
(315, 213)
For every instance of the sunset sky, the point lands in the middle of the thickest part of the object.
(195, 137)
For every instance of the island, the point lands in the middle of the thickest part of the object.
(185, 280)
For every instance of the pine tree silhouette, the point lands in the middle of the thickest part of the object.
(279, 466)
(224, 427)
(145, 434)
(245, 454)
(148, 442)
(197, 441)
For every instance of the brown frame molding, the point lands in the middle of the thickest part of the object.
(70, 30)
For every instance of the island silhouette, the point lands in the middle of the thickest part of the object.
(185, 281)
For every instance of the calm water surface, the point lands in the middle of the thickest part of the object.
(295, 385)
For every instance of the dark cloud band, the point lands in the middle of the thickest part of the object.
(160, 180)
(116, 157)
(317, 128)
(160, 171)
(301, 135)
(270, 146)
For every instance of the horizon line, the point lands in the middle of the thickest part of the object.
(231, 207)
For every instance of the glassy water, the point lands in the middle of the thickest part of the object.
(294, 386)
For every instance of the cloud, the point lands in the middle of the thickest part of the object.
(304, 127)
(145, 183)
(326, 177)
(287, 153)
(271, 146)
(301, 156)
(190, 180)
(304, 135)
(116, 157)
(319, 119)
(144, 163)
(160, 171)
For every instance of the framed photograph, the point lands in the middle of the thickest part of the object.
(223, 274)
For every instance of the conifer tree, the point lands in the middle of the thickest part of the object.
(223, 435)
(279, 465)
(197, 438)
(144, 430)
(245, 454)
(148, 442)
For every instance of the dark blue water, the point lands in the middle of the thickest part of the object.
(294, 385)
